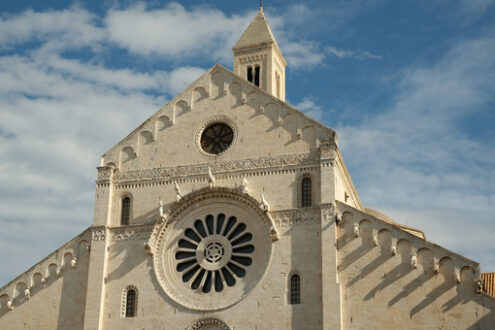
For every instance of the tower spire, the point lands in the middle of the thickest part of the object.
(258, 59)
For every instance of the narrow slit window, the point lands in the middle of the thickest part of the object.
(306, 192)
(278, 84)
(126, 211)
(131, 303)
(257, 75)
(295, 290)
(250, 74)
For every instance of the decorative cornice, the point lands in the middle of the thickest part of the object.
(133, 232)
(227, 166)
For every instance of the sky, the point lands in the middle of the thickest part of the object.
(409, 86)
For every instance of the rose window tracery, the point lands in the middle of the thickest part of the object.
(215, 252)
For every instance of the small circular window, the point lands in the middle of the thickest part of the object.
(216, 138)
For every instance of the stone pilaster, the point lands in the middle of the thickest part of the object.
(331, 299)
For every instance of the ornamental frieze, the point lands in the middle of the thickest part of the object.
(246, 164)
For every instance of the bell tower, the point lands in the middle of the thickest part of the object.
(258, 59)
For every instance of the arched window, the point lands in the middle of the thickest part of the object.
(250, 74)
(306, 192)
(126, 211)
(257, 75)
(131, 303)
(295, 290)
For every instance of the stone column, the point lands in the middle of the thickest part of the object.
(93, 315)
(331, 299)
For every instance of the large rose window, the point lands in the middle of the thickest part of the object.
(213, 251)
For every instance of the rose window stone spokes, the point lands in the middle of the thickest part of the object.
(213, 253)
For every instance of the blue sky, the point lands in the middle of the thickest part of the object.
(409, 86)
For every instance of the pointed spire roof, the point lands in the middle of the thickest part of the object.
(257, 33)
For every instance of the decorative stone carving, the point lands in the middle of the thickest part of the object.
(27, 294)
(414, 261)
(104, 173)
(228, 166)
(244, 186)
(207, 204)
(457, 277)
(10, 304)
(73, 262)
(327, 150)
(98, 234)
(339, 218)
(58, 271)
(375, 240)
(393, 250)
(436, 268)
(355, 229)
(211, 178)
(178, 194)
(264, 204)
(131, 232)
(209, 322)
(479, 286)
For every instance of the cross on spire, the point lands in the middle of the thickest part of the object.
(261, 3)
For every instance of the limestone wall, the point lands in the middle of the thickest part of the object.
(262, 124)
(266, 307)
(50, 295)
(391, 279)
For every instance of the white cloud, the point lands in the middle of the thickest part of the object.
(414, 160)
(69, 27)
(302, 54)
(360, 55)
(309, 107)
(176, 32)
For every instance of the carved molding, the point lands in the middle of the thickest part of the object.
(209, 322)
(98, 233)
(131, 232)
(295, 217)
(228, 166)
(105, 173)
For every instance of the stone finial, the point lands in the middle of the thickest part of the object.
(479, 286)
(10, 304)
(27, 294)
(414, 261)
(436, 268)
(178, 194)
(244, 186)
(375, 240)
(211, 178)
(355, 229)
(264, 204)
(393, 250)
(339, 218)
(73, 262)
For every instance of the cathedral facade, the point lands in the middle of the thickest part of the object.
(230, 209)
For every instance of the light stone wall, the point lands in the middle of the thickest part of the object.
(392, 279)
(56, 297)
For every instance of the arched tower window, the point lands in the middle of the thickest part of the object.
(126, 211)
(130, 301)
(250, 74)
(253, 75)
(257, 75)
(295, 289)
(306, 192)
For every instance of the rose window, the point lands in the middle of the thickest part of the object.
(216, 138)
(214, 252)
